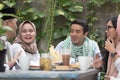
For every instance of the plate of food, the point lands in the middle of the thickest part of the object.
(75, 66)
(63, 68)
(34, 68)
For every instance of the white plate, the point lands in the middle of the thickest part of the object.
(70, 69)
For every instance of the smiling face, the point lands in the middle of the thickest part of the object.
(28, 33)
(77, 34)
(110, 31)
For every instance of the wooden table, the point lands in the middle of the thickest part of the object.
(91, 74)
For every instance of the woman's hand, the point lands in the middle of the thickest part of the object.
(107, 78)
(110, 46)
(15, 58)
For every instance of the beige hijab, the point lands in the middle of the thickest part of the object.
(31, 47)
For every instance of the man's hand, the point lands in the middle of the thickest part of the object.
(97, 62)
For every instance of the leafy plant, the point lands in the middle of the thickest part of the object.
(67, 9)
(49, 24)
(56, 8)
(91, 18)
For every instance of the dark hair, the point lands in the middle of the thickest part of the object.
(114, 21)
(8, 11)
(83, 24)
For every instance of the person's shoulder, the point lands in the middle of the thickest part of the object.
(93, 41)
(17, 45)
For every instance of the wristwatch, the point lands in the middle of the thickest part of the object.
(113, 54)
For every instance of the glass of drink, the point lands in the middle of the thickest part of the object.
(45, 62)
(66, 56)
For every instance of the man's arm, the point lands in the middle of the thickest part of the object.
(97, 62)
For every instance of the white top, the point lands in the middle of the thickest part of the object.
(33, 58)
(117, 65)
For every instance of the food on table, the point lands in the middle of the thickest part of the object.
(75, 66)
(62, 67)
(55, 56)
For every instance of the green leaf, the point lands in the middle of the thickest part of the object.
(59, 12)
(60, 32)
(76, 8)
(1, 15)
(1, 6)
(31, 10)
(67, 3)
(57, 34)
(8, 3)
(28, 1)
(41, 15)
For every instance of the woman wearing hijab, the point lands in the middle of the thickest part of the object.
(112, 45)
(26, 42)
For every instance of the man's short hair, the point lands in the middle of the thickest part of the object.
(81, 23)
(8, 11)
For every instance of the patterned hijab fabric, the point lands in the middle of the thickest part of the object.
(84, 50)
(31, 47)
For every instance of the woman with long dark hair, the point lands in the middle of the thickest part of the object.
(112, 45)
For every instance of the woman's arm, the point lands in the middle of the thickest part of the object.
(13, 61)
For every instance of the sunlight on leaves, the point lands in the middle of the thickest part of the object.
(1, 6)
(9, 3)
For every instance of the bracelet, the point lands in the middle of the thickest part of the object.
(113, 54)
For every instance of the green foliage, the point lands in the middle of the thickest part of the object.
(102, 74)
(67, 9)
(91, 18)
(64, 8)
(116, 1)
(28, 1)
(1, 6)
(49, 25)
(96, 2)
(9, 3)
